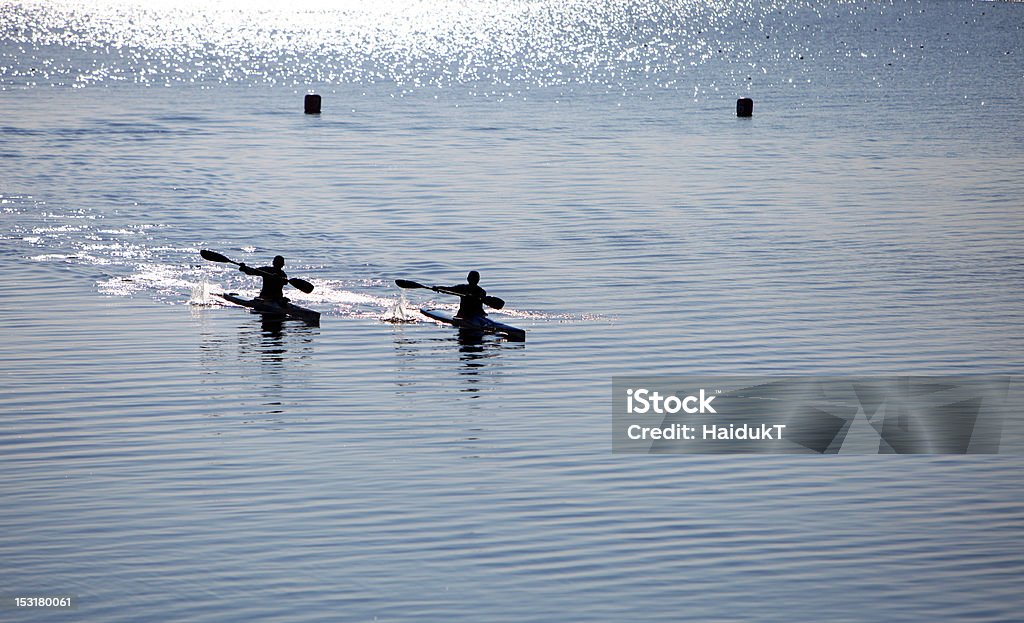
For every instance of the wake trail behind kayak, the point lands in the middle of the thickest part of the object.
(158, 262)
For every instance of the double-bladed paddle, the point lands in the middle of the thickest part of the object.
(213, 256)
(490, 301)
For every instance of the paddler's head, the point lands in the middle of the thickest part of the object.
(278, 261)
(473, 277)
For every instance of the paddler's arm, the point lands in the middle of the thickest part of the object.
(467, 290)
(473, 291)
(250, 271)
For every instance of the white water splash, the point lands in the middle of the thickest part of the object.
(201, 294)
(400, 311)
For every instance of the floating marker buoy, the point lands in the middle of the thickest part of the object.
(312, 104)
(744, 107)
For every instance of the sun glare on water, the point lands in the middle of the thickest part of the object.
(515, 46)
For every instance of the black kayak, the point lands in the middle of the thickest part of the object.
(478, 323)
(272, 308)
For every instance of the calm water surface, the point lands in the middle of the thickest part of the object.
(164, 460)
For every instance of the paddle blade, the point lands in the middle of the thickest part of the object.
(213, 256)
(301, 284)
(405, 283)
(494, 302)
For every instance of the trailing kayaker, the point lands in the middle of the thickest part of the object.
(471, 297)
(274, 280)
(471, 314)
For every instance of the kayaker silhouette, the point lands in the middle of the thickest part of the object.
(274, 279)
(471, 297)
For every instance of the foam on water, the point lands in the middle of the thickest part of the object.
(137, 261)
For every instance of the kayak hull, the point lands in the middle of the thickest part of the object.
(270, 308)
(482, 324)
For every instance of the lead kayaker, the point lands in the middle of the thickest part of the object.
(274, 280)
(471, 297)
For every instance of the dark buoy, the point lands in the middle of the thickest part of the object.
(312, 104)
(744, 107)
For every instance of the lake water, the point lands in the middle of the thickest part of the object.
(164, 460)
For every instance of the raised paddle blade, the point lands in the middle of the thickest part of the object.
(301, 284)
(493, 301)
(213, 256)
(405, 283)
